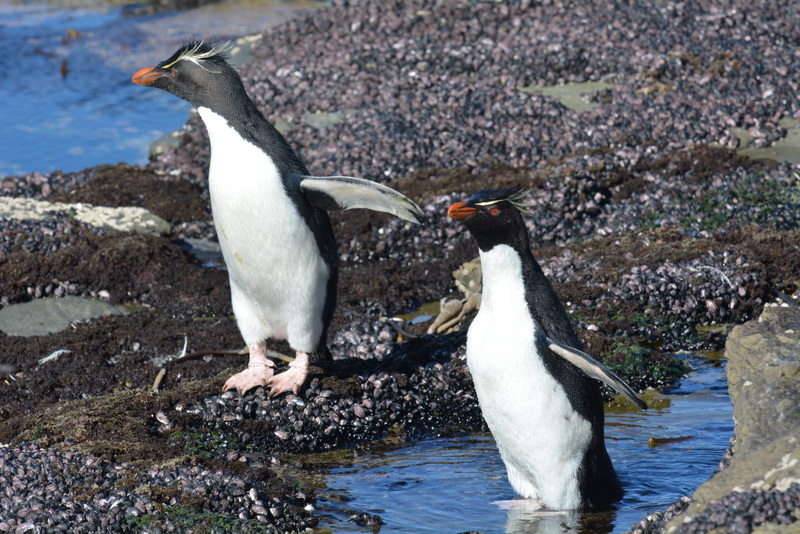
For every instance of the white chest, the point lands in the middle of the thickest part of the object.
(270, 252)
(541, 438)
(245, 188)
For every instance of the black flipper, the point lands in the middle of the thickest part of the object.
(596, 370)
(336, 193)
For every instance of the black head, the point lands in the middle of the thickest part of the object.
(494, 217)
(198, 73)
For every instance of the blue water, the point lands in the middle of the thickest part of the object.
(67, 98)
(452, 485)
(88, 115)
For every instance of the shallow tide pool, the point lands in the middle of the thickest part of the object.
(452, 485)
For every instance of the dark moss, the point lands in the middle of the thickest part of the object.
(644, 367)
(117, 426)
(193, 518)
(428, 183)
(126, 185)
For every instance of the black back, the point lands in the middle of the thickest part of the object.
(200, 74)
(497, 220)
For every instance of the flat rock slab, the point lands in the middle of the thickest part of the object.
(764, 383)
(125, 219)
(764, 379)
(50, 315)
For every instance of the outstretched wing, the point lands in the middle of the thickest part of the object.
(335, 193)
(595, 369)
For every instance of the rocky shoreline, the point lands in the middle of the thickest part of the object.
(761, 486)
(646, 220)
(756, 487)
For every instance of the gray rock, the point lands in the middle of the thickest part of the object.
(44, 316)
(764, 382)
(127, 219)
(324, 119)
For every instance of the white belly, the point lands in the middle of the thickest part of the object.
(278, 278)
(541, 439)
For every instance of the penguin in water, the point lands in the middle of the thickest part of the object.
(270, 215)
(534, 384)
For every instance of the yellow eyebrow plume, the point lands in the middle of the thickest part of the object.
(515, 200)
(194, 53)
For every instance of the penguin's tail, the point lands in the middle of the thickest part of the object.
(322, 354)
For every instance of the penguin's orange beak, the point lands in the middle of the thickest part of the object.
(146, 76)
(460, 210)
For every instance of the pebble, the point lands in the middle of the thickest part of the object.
(102, 496)
(654, 523)
(420, 398)
(45, 236)
(742, 512)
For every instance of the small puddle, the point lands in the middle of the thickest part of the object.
(452, 484)
(571, 95)
(785, 150)
(40, 317)
(207, 251)
(423, 313)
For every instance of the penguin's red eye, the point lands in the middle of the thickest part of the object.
(494, 211)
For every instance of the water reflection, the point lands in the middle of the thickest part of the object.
(524, 517)
(459, 484)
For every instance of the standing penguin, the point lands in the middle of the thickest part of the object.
(531, 377)
(270, 215)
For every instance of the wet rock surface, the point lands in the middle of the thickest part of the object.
(761, 486)
(646, 230)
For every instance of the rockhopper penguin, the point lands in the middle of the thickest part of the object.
(534, 384)
(270, 215)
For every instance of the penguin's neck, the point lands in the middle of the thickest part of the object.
(235, 158)
(507, 265)
(502, 277)
(245, 122)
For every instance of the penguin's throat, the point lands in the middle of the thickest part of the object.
(502, 276)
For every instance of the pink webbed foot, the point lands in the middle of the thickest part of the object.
(258, 373)
(292, 378)
(248, 379)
